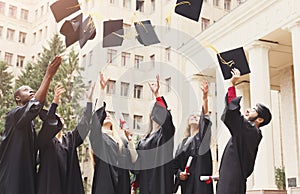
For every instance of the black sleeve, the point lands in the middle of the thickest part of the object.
(51, 126)
(96, 136)
(232, 117)
(27, 113)
(163, 117)
(83, 127)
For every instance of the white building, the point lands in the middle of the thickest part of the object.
(267, 29)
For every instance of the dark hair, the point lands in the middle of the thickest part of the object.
(265, 113)
(17, 93)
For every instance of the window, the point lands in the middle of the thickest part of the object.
(112, 1)
(168, 54)
(111, 87)
(20, 61)
(138, 59)
(140, 5)
(34, 37)
(42, 10)
(12, 11)
(90, 57)
(204, 23)
(10, 34)
(111, 55)
(24, 14)
(46, 31)
(22, 37)
(127, 4)
(111, 113)
(125, 59)
(125, 117)
(40, 34)
(124, 89)
(138, 90)
(8, 58)
(152, 5)
(137, 120)
(2, 7)
(152, 60)
(36, 12)
(127, 29)
(83, 60)
(1, 31)
(168, 84)
(85, 182)
(216, 2)
(227, 5)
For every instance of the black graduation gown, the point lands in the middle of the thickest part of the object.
(199, 148)
(59, 170)
(108, 178)
(17, 150)
(239, 155)
(157, 180)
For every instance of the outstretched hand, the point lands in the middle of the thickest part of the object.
(103, 82)
(90, 92)
(58, 91)
(155, 86)
(53, 66)
(236, 74)
(204, 89)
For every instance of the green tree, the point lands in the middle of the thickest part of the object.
(6, 93)
(68, 74)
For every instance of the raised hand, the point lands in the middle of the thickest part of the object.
(155, 87)
(204, 89)
(103, 82)
(58, 91)
(90, 92)
(236, 74)
(53, 66)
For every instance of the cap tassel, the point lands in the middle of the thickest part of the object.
(223, 61)
(169, 17)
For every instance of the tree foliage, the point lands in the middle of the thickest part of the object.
(68, 74)
(6, 93)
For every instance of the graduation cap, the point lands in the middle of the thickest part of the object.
(190, 9)
(64, 8)
(88, 31)
(146, 33)
(235, 58)
(159, 113)
(71, 29)
(113, 33)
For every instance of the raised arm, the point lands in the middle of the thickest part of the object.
(41, 93)
(231, 116)
(83, 127)
(160, 114)
(51, 122)
(204, 89)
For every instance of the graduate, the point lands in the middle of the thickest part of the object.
(113, 149)
(239, 155)
(156, 148)
(17, 144)
(196, 144)
(59, 170)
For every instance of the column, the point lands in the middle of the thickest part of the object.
(264, 175)
(295, 30)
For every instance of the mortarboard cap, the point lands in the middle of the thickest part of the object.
(64, 8)
(146, 33)
(88, 31)
(113, 33)
(190, 9)
(71, 29)
(235, 58)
